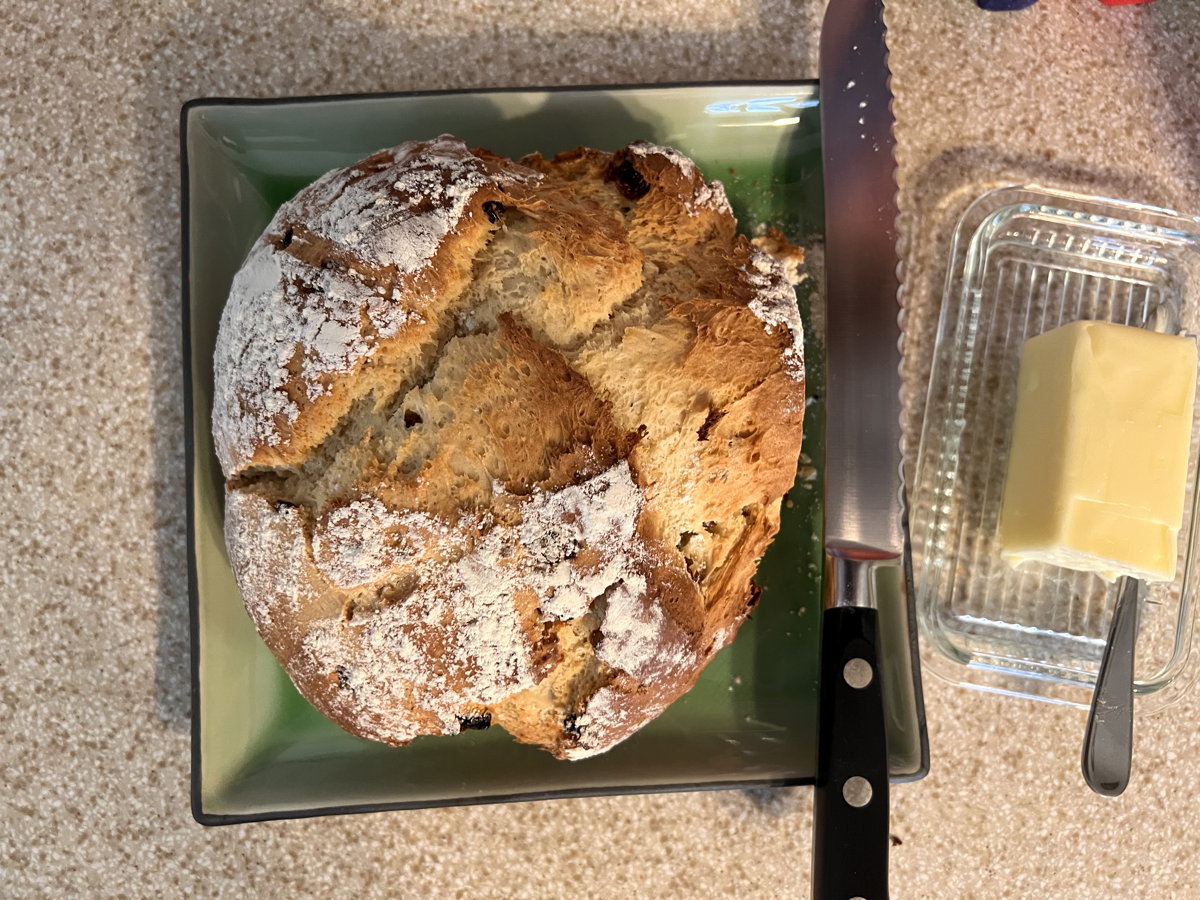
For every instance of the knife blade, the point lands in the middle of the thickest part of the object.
(864, 532)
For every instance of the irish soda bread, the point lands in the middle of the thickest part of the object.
(504, 442)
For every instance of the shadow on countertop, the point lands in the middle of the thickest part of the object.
(1169, 33)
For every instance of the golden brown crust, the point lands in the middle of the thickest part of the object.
(505, 441)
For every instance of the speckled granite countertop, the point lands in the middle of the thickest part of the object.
(93, 647)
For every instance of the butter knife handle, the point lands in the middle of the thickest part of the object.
(850, 812)
(1108, 740)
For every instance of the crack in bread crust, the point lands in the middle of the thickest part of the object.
(348, 431)
(503, 441)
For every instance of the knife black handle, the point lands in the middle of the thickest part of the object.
(850, 836)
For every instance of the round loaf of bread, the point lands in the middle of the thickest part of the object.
(504, 441)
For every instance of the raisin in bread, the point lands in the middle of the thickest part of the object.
(504, 441)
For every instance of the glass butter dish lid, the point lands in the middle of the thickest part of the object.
(1025, 260)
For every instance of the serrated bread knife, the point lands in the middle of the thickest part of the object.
(866, 576)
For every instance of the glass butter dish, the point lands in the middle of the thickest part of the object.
(1025, 260)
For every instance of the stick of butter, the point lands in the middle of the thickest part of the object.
(1100, 442)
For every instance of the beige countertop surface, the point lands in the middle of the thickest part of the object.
(93, 579)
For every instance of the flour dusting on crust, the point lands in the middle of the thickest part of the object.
(775, 305)
(454, 633)
(706, 195)
(288, 334)
(255, 532)
(608, 712)
(399, 215)
(300, 325)
(363, 541)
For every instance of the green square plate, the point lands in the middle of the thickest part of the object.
(259, 750)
